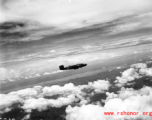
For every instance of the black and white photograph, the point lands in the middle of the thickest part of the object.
(75, 59)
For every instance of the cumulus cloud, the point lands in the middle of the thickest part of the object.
(42, 104)
(135, 72)
(128, 75)
(39, 97)
(98, 86)
(71, 13)
(28, 92)
(7, 101)
(85, 112)
(56, 89)
(146, 71)
(128, 100)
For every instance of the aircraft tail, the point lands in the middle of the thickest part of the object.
(61, 67)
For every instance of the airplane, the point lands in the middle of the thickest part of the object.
(76, 66)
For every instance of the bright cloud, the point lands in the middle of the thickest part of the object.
(135, 72)
(128, 100)
(34, 98)
(7, 101)
(71, 13)
(42, 104)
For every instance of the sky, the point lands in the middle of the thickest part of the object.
(49, 17)
(125, 99)
(67, 32)
(71, 13)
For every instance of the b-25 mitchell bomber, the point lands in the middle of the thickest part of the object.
(76, 66)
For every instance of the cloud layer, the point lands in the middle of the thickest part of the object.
(136, 71)
(79, 98)
(36, 97)
(128, 100)
(71, 13)
(8, 75)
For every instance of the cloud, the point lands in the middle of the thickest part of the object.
(85, 112)
(8, 75)
(135, 72)
(128, 92)
(98, 86)
(139, 65)
(7, 101)
(72, 14)
(56, 89)
(128, 75)
(41, 98)
(28, 92)
(42, 104)
(146, 71)
(128, 100)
